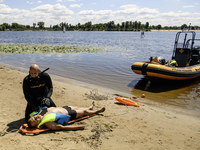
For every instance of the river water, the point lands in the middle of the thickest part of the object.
(110, 68)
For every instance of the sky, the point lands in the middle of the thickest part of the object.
(53, 12)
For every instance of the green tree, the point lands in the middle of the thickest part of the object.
(135, 25)
(118, 26)
(34, 25)
(127, 25)
(159, 27)
(62, 25)
(183, 26)
(2, 28)
(110, 25)
(6, 25)
(88, 25)
(147, 25)
(14, 25)
(40, 25)
(28, 26)
(139, 25)
(56, 27)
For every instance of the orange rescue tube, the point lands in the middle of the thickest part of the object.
(127, 101)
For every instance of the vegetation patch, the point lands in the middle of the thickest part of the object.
(48, 49)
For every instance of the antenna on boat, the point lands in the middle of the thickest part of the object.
(189, 27)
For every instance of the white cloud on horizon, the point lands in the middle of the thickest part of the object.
(134, 9)
(57, 13)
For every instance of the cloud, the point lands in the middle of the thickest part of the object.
(50, 14)
(39, 2)
(191, 6)
(6, 10)
(53, 10)
(134, 9)
(28, 2)
(75, 5)
(175, 14)
(92, 12)
(9, 15)
(126, 12)
(55, 14)
(143, 14)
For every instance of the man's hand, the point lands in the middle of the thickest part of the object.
(45, 102)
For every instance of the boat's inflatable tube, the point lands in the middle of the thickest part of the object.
(127, 101)
(166, 72)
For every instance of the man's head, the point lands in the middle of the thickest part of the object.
(34, 121)
(34, 70)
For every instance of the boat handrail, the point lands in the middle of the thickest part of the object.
(185, 43)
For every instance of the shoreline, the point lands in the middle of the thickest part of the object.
(150, 126)
(169, 30)
(175, 30)
(115, 93)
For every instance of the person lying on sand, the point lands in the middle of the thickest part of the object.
(55, 118)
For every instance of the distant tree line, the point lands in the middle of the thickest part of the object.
(88, 26)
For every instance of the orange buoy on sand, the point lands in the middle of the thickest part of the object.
(143, 95)
(134, 97)
(127, 101)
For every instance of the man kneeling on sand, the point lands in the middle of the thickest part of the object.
(56, 118)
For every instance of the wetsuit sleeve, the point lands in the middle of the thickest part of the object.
(50, 92)
(49, 85)
(27, 95)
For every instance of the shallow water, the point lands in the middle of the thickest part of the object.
(110, 68)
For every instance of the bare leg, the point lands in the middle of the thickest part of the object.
(88, 112)
(81, 108)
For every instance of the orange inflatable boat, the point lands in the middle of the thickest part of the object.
(127, 101)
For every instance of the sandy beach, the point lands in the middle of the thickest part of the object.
(152, 126)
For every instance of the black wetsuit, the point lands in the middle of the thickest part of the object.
(35, 89)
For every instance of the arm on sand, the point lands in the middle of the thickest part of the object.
(55, 126)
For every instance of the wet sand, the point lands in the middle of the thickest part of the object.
(151, 126)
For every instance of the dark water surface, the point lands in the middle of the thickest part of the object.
(111, 68)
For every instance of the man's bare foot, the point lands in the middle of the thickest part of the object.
(92, 106)
(101, 110)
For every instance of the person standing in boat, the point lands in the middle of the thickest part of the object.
(37, 89)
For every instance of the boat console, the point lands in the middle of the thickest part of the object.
(185, 53)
